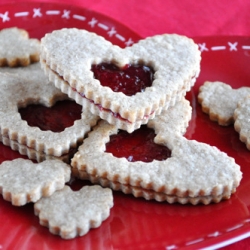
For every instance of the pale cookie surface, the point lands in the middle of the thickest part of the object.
(68, 54)
(16, 48)
(22, 181)
(73, 213)
(33, 154)
(242, 118)
(19, 90)
(194, 173)
(219, 100)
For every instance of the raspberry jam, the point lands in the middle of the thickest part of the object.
(56, 118)
(130, 79)
(137, 146)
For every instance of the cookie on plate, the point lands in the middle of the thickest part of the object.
(86, 67)
(20, 90)
(219, 100)
(17, 49)
(33, 154)
(192, 172)
(241, 117)
(22, 181)
(73, 213)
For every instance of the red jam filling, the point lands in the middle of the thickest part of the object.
(130, 79)
(55, 118)
(137, 146)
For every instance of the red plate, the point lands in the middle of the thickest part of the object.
(136, 223)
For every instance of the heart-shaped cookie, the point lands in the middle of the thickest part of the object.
(16, 48)
(20, 90)
(195, 172)
(241, 117)
(219, 100)
(68, 55)
(73, 213)
(22, 181)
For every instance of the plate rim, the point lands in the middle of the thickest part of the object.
(246, 231)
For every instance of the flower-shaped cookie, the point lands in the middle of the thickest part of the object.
(16, 48)
(21, 90)
(22, 181)
(194, 173)
(219, 100)
(73, 213)
(68, 57)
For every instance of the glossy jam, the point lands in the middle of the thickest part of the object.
(137, 146)
(130, 79)
(57, 118)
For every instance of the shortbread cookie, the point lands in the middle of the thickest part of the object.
(22, 181)
(193, 173)
(19, 92)
(69, 56)
(16, 48)
(242, 116)
(219, 100)
(73, 213)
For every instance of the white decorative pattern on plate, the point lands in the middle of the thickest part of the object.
(70, 15)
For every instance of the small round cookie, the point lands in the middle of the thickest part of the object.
(219, 100)
(242, 124)
(73, 213)
(22, 181)
(19, 90)
(69, 57)
(17, 49)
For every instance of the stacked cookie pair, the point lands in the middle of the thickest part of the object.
(23, 83)
(94, 73)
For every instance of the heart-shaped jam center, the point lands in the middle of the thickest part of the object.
(137, 146)
(56, 118)
(130, 79)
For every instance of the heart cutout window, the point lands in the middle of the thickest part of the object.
(129, 79)
(56, 118)
(137, 146)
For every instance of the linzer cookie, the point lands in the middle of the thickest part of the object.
(219, 100)
(22, 181)
(184, 171)
(19, 91)
(127, 87)
(241, 124)
(192, 172)
(73, 213)
(16, 48)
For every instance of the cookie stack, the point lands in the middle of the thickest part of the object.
(134, 116)
(96, 75)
